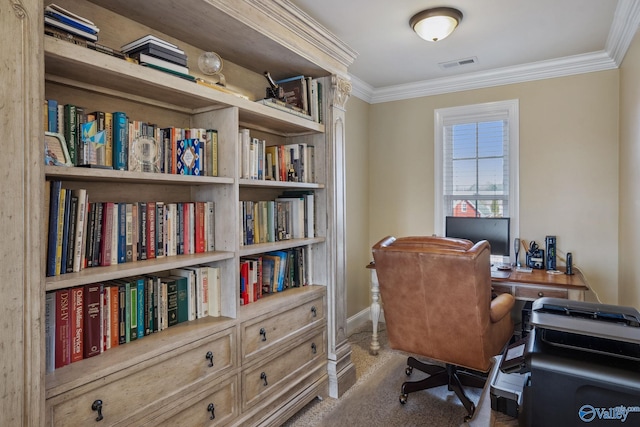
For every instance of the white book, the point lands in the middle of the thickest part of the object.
(297, 212)
(149, 38)
(115, 232)
(210, 226)
(215, 292)
(68, 28)
(81, 216)
(192, 281)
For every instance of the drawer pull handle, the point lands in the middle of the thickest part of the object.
(263, 377)
(209, 357)
(540, 294)
(263, 333)
(97, 406)
(211, 408)
(314, 349)
(314, 311)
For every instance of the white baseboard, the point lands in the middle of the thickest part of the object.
(359, 319)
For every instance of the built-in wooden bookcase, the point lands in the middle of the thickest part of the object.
(166, 377)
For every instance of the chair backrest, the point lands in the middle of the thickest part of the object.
(436, 296)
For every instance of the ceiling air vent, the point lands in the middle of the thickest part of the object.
(458, 63)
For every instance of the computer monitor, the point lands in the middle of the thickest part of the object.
(494, 230)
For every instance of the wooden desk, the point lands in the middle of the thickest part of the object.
(541, 283)
(523, 286)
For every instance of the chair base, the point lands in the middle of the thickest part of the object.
(448, 375)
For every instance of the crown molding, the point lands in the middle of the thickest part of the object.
(625, 24)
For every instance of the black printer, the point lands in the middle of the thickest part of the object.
(582, 362)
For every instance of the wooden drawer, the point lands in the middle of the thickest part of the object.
(139, 391)
(266, 380)
(525, 292)
(220, 400)
(502, 289)
(271, 331)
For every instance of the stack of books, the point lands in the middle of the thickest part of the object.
(153, 52)
(61, 22)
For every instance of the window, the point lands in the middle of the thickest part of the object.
(476, 155)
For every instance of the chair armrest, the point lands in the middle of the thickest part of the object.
(501, 306)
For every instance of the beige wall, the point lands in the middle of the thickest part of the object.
(629, 267)
(357, 177)
(568, 167)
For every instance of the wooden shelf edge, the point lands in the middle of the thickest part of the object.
(277, 246)
(137, 268)
(279, 184)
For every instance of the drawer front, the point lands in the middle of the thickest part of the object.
(260, 334)
(142, 390)
(501, 289)
(217, 406)
(535, 293)
(267, 379)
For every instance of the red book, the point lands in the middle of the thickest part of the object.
(151, 230)
(199, 228)
(63, 328)
(244, 288)
(92, 320)
(115, 311)
(107, 229)
(187, 228)
(77, 324)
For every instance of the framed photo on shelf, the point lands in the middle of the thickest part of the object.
(55, 150)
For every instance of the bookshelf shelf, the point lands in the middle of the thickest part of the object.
(257, 183)
(108, 175)
(101, 274)
(278, 246)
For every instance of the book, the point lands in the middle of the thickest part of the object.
(132, 309)
(60, 230)
(63, 328)
(182, 299)
(55, 188)
(295, 92)
(172, 301)
(215, 291)
(120, 138)
(149, 38)
(71, 233)
(71, 131)
(52, 115)
(65, 233)
(50, 331)
(71, 18)
(48, 20)
(170, 71)
(211, 152)
(92, 320)
(145, 59)
(160, 52)
(77, 324)
(114, 317)
(282, 106)
(188, 156)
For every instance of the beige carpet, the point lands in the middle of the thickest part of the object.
(373, 400)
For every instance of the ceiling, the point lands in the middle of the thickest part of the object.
(509, 40)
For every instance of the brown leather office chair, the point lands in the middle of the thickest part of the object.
(436, 296)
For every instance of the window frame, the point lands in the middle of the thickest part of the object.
(505, 110)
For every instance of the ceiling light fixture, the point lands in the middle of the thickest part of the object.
(435, 24)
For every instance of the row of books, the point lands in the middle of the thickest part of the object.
(291, 216)
(272, 272)
(112, 140)
(302, 96)
(63, 20)
(285, 162)
(84, 321)
(154, 52)
(83, 234)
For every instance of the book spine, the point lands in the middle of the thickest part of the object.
(108, 127)
(52, 115)
(71, 131)
(129, 232)
(122, 233)
(160, 229)
(65, 232)
(120, 138)
(132, 310)
(142, 231)
(77, 324)
(54, 211)
(151, 230)
(114, 317)
(92, 320)
(141, 307)
(122, 314)
(63, 329)
(60, 229)
(172, 303)
(71, 233)
(50, 331)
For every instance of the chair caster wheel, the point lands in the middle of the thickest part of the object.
(409, 370)
(403, 399)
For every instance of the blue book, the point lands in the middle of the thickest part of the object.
(188, 162)
(65, 232)
(120, 138)
(141, 308)
(72, 22)
(54, 207)
(52, 115)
